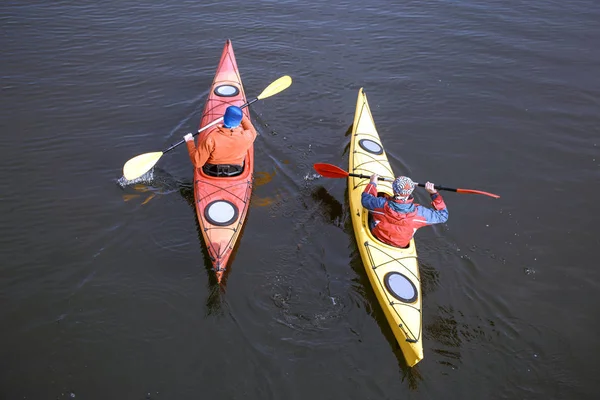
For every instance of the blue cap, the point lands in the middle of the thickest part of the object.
(232, 117)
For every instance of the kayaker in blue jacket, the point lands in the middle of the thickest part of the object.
(396, 219)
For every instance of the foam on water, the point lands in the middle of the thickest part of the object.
(147, 178)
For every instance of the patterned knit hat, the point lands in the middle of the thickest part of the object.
(403, 186)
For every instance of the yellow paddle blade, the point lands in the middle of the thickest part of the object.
(141, 164)
(278, 86)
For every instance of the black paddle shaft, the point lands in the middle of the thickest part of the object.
(381, 178)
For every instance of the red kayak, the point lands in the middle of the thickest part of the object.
(222, 202)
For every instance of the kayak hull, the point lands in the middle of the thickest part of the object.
(222, 202)
(393, 272)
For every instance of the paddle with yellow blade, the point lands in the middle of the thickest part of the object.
(143, 163)
(331, 171)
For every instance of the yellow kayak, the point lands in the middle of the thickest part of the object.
(392, 271)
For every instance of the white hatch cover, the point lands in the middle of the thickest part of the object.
(370, 146)
(226, 90)
(221, 212)
(400, 287)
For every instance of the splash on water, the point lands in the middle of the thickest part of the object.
(147, 178)
(153, 183)
(311, 177)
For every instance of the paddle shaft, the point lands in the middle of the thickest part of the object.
(182, 141)
(381, 178)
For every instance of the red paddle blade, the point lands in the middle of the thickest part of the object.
(477, 192)
(330, 171)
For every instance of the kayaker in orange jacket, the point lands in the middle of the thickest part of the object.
(221, 151)
(396, 219)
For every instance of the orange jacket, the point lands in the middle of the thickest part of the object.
(223, 145)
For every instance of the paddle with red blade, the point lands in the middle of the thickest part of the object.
(331, 171)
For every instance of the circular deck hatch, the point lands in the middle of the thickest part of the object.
(226, 90)
(370, 146)
(221, 212)
(400, 287)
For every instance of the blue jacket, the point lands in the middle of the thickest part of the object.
(396, 221)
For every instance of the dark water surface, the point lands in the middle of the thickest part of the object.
(105, 292)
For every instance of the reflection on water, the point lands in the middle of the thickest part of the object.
(263, 177)
(215, 300)
(348, 131)
(330, 207)
(129, 197)
(449, 330)
(445, 332)
(264, 201)
(430, 277)
(347, 134)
